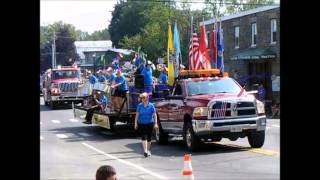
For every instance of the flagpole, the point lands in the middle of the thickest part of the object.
(179, 52)
(216, 38)
(191, 41)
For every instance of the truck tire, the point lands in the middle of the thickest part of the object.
(191, 140)
(46, 103)
(53, 105)
(256, 139)
(160, 136)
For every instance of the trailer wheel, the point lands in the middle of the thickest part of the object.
(160, 136)
(53, 105)
(112, 125)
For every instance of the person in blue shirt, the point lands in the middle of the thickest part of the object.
(115, 63)
(163, 78)
(100, 104)
(92, 78)
(101, 77)
(121, 88)
(148, 80)
(111, 74)
(261, 93)
(145, 121)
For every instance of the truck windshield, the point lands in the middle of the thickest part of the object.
(65, 74)
(212, 87)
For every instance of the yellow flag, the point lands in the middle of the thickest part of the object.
(170, 52)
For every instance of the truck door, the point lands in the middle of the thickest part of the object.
(176, 109)
(163, 111)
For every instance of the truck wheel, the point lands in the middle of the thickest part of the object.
(217, 139)
(161, 137)
(112, 125)
(192, 142)
(53, 105)
(256, 139)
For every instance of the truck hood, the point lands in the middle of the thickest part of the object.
(205, 99)
(66, 80)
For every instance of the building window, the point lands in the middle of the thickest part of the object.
(253, 34)
(273, 31)
(236, 37)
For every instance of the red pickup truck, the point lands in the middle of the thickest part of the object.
(205, 105)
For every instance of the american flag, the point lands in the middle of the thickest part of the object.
(219, 111)
(194, 62)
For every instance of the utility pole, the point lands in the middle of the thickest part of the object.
(54, 50)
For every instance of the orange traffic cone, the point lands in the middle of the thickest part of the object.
(187, 170)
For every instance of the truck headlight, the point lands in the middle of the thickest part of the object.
(200, 113)
(55, 91)
(260, 107)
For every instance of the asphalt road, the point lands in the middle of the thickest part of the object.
(73, 150)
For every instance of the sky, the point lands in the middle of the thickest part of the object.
(85, 15)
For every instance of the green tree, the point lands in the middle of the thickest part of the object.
(66, 34)
(126, 20)
(98, 35)
(153, 36)
(233, 6)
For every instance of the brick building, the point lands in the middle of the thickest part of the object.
(252, 47)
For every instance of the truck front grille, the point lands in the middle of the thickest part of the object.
(68, 87)
(223, 110)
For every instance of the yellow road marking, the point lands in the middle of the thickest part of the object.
(254, 150)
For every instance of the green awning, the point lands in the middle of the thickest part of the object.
(254, 54)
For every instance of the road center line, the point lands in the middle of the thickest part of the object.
(55, 121)
(73, 120)
(254, 150)
(126, 162)
(84, 134)
(62, 136)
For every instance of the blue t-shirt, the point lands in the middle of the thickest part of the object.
(103, 100)
(122, 80)
(92, 79)
(261, 94)
(146, 113)
(163, 78)
(112, 77)
(101, 78)
(147, 73)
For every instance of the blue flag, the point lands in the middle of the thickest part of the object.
(176, 44)
(220, 48)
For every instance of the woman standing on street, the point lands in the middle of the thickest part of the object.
(145, 121)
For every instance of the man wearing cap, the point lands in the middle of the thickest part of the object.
(148, 81)
(100, 103)
(121, 88)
